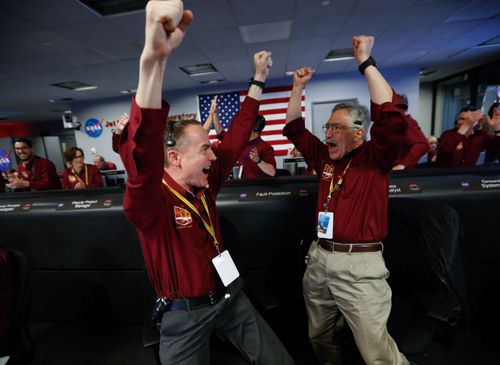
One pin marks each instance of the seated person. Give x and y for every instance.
(102, 164)
(415, 144)
(80, 175)
(432, 154)
(257, 159)
(462, 145)
(35, 172)
(494, 114)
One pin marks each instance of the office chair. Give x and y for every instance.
(422, 252)
(17, 343)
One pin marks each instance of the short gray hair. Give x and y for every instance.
(360, 116)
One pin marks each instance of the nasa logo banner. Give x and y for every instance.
(93, 128)
(5, 162)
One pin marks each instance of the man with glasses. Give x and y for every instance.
(346, 276)
(34, 172)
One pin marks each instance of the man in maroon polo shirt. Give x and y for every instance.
(171, 203)
(346, 275)
(462, 145)
(34, 172)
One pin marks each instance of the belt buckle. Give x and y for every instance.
(212, 297)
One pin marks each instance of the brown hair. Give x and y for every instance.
(69, 154)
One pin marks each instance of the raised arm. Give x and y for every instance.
(300, 78)
(166, 23)
(380, 90)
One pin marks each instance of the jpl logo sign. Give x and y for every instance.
(93, 128)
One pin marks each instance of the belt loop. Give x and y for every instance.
(382, 244)
(350, 249)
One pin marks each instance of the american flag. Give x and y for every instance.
(273, 105)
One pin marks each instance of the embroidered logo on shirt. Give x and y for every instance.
(182, 216)
(327, 172)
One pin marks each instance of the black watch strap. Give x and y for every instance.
(256, 83)
(369, 62)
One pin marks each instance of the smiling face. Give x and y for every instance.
(23, 151)
(341, 136)
(77, 161)
(191, 158)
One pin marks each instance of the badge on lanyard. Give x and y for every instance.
(225, 267)
(325, 225)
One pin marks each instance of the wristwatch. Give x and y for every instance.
(256, 83)
(369, 62)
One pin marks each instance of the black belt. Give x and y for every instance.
(193, 303)
(349, 247)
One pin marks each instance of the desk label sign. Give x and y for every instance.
(480, 184)
(396, 189)
(85, 204)
(17, 207)
(272, 194)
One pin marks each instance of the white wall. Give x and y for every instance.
(425, 108)
(320, 88)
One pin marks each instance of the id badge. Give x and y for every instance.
(325, 225)
(225, 267)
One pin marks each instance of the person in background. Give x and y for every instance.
(432, 154)
(493, 114)
(257, 159)
(346, 275)
(170, 199)
(34, 172)
(102, 164)
(80, 175)
(415, 145)
(473, 132)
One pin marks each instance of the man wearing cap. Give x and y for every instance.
(346, 276)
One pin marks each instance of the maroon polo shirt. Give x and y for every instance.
(250, 168)
(449, 155)
(93, 178)
(41, 173)
(360, 207)
(177, 248)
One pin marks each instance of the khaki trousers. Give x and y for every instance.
(352, 286)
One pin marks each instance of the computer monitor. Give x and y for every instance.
(112, 178)
(296, 165)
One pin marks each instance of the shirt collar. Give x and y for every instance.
(182, 190)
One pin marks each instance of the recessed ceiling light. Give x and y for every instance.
(129, 91)
(199, 70)
(212, 81)
(114, 7)
(339, 55)
(325, 2)
(75, 85)
(266, 32)
(426, 72)
(51, 101)
(491, 42)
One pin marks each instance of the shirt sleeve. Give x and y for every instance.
(311, 148)
(65, 180)
(141, 150)
(387, 134)
(267, 154)
(96, 178)
(234, 142)
(42, 178)
(416, 142)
